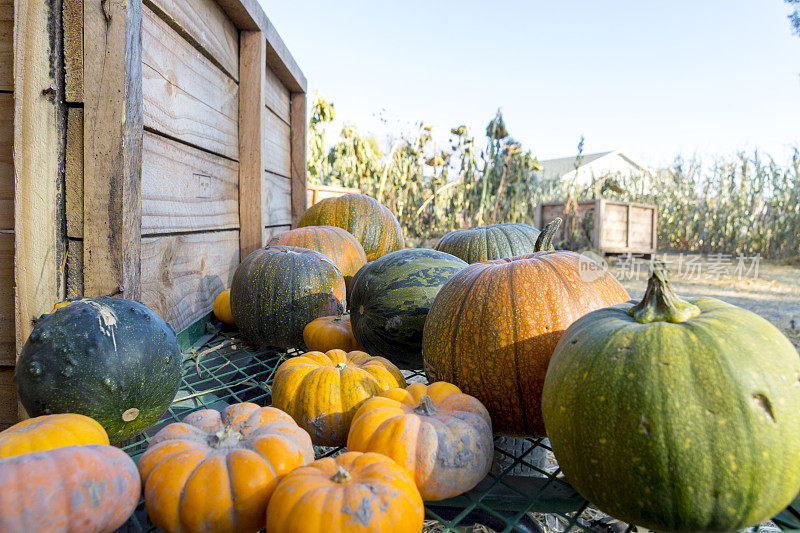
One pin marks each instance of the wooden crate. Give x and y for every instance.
(315, 193)
(145, 148)
(617, 227)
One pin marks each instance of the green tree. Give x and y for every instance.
(794, 17)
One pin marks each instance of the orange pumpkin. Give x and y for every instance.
(322, 391)
(338, 244)
(330, 333)
(216, 471)
(445, 438)
(351, 493)
(90, 488)
(50, 431)
(222, 307)
(493, 328)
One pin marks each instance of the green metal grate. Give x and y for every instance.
(521, 494)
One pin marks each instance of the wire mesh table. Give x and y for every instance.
(524, 492)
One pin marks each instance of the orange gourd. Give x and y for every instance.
(222, 307)
(445, 441)
(351, 493)
(50, 431)
(215, 472)
(92, 488)
(322, 391)
(330, 333)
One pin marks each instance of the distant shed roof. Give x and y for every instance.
(553, 168)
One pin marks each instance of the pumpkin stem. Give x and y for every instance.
(425, 407)
(341, 476)
(341, 366)
(226, 436)
(660, 303)
(544, 242)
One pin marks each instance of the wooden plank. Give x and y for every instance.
(298, 149)
(277, 96)
(113, 147)
(628, 225)
(277, 145)
(186, 189)
(597, 235)
(277, 203)
(73, 173)
(271, 231)
(72, 16)
(252, 113)
(74, 269)
(6, 161)
(8, 399)
(205, 26)
(182, 274)
(8, 351)
(6, 45)
(317, 193)
(186, 96)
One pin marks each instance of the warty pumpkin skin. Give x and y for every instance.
(494, 325)
(676, 415)
(350, 493)
(276, 291)
(92, 488)
(443, 438)
(371, 222)
(330, 333)
(50, 431)
(336, 243)
(322, 391)
(216, 472)
(495, 241)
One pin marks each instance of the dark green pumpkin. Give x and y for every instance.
(391, 297)
(676, 415)
(276, 291)
(111, 359)
(496, 241)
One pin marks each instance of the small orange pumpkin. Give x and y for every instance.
(222, 307)
(330, 333)
(446, 442)
(216, 471)
(322, 391)
(353, 493)
(50, 431)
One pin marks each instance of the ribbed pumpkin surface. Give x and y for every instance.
(371, 222)
(495, 241)
(493, 327)
(390, 299)
(276, 291)
(47, 432)
(339, 245)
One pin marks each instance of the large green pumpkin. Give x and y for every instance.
(496, 241)
(675, 415)
(276, 291)
(113, 360)
(390, 299)
(371, 222)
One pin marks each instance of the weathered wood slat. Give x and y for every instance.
(277, 200)
(271, 231)
(186, 96)
(72, 15)
(186, 189)
(8, 399)
(6, 161)
(8, 349)
(6, 45)
(277, 96)
(182, 274)
(73, 173)
(277, 145)
(205, 26)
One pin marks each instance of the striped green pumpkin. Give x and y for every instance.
(496, 241)
(390, 299)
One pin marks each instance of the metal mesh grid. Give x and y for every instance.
(522, 493)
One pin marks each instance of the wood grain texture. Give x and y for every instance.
(252, 112)
(277, 145)
(182, 274)
(6, 45)
(186, 96)
(186, 189)
(74, 269)
(205, 26)
(73, 173)
(270, 231)
(112, 147)
(6, 161)
(8, 351)
(72, 17)
(277, 96)
(8, 399)
(298, 156)
(277, 204)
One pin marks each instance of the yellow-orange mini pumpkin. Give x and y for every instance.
(222, 307)
(330, 333)
(50, 431)
(443, 438)
(351, 493)
(215, 472)
(322, 391)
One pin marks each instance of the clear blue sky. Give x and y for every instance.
(650, 78)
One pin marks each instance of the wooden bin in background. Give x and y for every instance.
(316, 193)
(145, 148)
